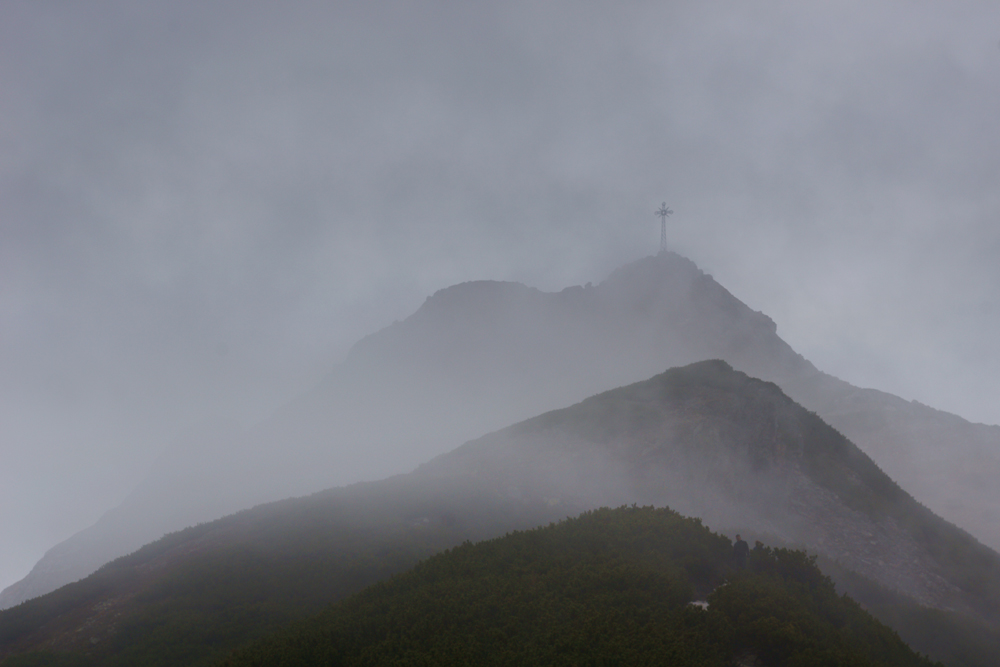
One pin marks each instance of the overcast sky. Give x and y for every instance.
(203, 204)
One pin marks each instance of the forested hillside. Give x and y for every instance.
(611, 587)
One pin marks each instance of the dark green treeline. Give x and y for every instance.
(611, 587)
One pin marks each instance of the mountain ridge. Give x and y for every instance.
(480, 355)
(727, 447)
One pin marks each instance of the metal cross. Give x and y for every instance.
(663, 213)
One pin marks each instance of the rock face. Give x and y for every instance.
(947, 463)
(480, 355)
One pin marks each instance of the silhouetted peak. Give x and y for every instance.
(657, 267)
(476, 295)
(671, 279)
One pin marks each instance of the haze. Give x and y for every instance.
(203, 205)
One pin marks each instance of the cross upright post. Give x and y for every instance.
(663, 213)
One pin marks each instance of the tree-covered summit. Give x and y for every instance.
(610, 587)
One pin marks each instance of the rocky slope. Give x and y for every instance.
(714, 443)
(948, 463)
(480, 355)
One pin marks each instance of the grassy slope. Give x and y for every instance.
(264, 568)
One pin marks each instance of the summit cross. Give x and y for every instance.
(663, 213)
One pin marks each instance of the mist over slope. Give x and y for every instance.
(705, 438)
(478, 356)
(180, 493)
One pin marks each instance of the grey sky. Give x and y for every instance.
(203, 204)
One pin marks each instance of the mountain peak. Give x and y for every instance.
(478, 356)
(674, 278)
(473, 358)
